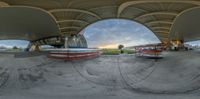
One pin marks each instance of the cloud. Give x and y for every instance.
(118, 31)
(11, 43)
(194, 43)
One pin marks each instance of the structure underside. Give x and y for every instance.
(72, 16)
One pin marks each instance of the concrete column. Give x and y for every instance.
(66, 42)
(177, 44)
(33, 46)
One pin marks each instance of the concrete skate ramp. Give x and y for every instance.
(110, 77)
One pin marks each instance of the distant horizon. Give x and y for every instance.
(9, 47)
(18, 43)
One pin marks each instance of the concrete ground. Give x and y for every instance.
(176, 76)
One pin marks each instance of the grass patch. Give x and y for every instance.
(117, 51)
(129, 51)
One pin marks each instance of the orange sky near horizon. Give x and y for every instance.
(109, 46)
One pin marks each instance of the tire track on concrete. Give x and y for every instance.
(128, 85)
(111, 81)
(189, 89)
(13, 65)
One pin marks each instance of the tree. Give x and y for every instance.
(15, 47)
(120, 47)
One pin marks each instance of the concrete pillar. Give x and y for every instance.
(177, 44)
(75, 41)
(33, 46)
(66, 42)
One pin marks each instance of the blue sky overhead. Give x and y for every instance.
(112, 32)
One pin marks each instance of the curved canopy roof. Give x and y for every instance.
(26, 23)
(186, 25)
(74, 15)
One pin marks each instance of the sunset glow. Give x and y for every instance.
(110, 46)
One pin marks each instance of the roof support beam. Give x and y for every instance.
(159, 28)
(79, 21)
(69, 32)
(161, 22)
(157, 13)
(162, 36)
(75, 10)
(3, 4)
(162, 33)
(165, 32)
(165, 23)
(123, 6)
(70, 28)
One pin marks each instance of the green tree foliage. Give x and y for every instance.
(120, 47)
(15, 47)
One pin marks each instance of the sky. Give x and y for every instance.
(113, 32)
(194, 43)
(11, 43)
